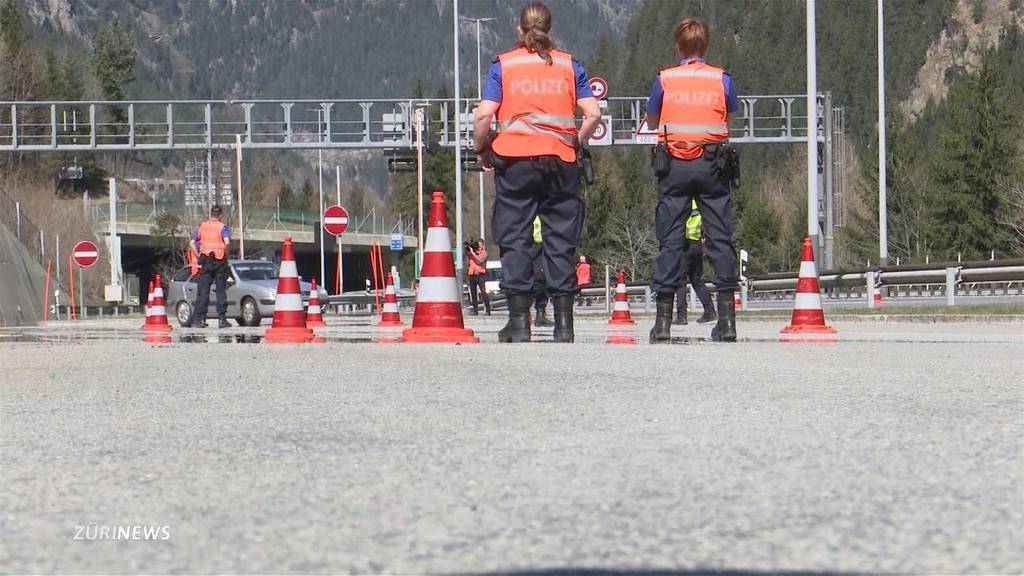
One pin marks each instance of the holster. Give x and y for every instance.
(661, 160)
(586, 162)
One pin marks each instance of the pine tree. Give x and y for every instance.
(113, 63)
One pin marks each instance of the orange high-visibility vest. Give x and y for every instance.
(536, 116)
(693, 109)
(474, 267)
(210, 240)
(583, 273)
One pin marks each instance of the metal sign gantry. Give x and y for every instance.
(383, 124)
(319, 124)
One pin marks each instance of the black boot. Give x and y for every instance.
(222, 322)
(541, 320)
(518, 327)
(680, 318)
(662, 331)
(709, 315)
(198, 321)
(725, 330)
(563, 318)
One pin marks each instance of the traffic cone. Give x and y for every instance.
(438, 313)
(314, 319)
(877, 294)
(389, 314)
(156, 313)
(620, 313)
(289, 323)
(808, 321)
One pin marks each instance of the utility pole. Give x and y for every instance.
(458, 149)
(479, 95)
(812, 132)
(883, 224)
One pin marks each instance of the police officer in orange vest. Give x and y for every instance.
(691, 104)
(210, 244)
(476, 258)
(533, 91)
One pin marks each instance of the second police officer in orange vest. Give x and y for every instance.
(534, 90)
(210, 244)
(691, 104)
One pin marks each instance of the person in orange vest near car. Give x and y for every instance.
(582, 276)
(533, 91)
(210, 245)
(476, 271)
(691, 104)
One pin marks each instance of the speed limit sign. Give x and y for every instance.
(599, 87)
(602, 134)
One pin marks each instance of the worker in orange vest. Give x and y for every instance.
(210, 245)
(691, 104)
(533, 91)
(476, 271)
(582, 275)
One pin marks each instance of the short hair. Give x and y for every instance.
(216, 211)
(692, 37)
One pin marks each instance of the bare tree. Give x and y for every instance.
(1012, 216)
(632, 242)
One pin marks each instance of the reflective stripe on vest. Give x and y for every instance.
(693, 223)
(693, 109)
(210, 239)
(537, 238)
(538, 100)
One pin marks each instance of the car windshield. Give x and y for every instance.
(256, 271)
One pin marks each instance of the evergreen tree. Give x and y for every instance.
(971, 156)
(113, 63)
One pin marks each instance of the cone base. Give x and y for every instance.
(621, 321)
(157, 338)
(156, 327)
(288, 335)
(457, 335)
(315, 323)
(812, 333)
(390, 323)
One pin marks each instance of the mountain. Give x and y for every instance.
(312, 48)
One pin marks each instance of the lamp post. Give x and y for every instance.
(883, 225)
(479, 95)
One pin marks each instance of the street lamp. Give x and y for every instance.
(479, 95)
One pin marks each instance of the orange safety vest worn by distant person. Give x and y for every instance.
(211, 242)
(693, 110)
(538, 104)
(475, 267)
(583, 273)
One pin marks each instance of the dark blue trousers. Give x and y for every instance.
(527, 187)
(693, 179)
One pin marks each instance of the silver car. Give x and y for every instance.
(252, 291)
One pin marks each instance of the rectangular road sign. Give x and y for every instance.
(396, 241)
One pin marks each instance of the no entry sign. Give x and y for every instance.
(599, 86)
(335, 220)
(85, 254)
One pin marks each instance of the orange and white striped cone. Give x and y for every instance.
(289, 324)
(620, 313)
(149, 303)
(808, 321)
(314, 318)
(156, 313)
(389, 313)
(438, 313)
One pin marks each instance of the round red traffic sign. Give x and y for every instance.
(85, 253)
(335, 219)
(599, 87)
(599, 131)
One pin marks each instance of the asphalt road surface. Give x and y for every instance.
(898, 449)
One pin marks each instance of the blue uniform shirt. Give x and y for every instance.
(731, 101)
(224, 233)
(492, 85)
